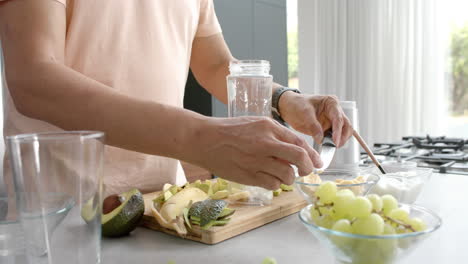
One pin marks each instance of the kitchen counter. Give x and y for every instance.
(289, 242)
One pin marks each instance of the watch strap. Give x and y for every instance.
(276, 97)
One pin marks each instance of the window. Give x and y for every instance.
(458, 69)
(391, 57)
(293, 61)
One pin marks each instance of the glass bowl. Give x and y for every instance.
(396, 166)
(405, 185)
(361, 249)
(307, 187)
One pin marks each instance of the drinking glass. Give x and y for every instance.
(58, 179)
(11, 234)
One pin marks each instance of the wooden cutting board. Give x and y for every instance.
(244, 219)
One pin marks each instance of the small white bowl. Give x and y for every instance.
(405, 185)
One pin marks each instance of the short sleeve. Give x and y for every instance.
(208, 24)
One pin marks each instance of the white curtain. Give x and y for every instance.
(387, 55)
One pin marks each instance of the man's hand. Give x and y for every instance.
(254, 151)
(314, 114)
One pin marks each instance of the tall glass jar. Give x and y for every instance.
(249, 88)
(249, 94)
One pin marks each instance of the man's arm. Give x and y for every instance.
(42, 87)
(210, 64)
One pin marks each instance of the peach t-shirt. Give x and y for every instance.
(140, 48)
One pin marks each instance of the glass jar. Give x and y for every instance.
(249, 88)
(249, 94)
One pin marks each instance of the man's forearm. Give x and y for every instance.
(63, 97)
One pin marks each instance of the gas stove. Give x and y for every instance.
(443, 154)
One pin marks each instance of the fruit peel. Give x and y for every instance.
(277, 192)
(220, 195)
(286, 188)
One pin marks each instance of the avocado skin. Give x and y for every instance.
(195, 209)
(211, 211)
(207, 210)
(226, 213)
(128, 218)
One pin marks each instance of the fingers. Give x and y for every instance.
(337, 128)
(313, 126)
(267, 181)
(268, 173)
(347, 132)
(297, 151)
(279, 169)
(341, 127)
(336, 116)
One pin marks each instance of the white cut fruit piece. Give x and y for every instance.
(239, 196)
(235, 190)
(167, 195)
(220, 195)
(166, 187)
(312, 179)
(174, 206)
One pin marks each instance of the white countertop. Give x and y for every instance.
(289, 242)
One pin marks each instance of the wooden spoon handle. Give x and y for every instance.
(368, 150)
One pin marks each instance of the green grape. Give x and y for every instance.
(346, 192)
(343, 225)
(402, 230)
(388, 249)
(329, 211)
(388, 229)
(269, 261)
(376, 201)
(342, 203)
(326, 210)
(391, 223)
(361, 207)
(326, 192)
(389, 203)
(372, 225)
(325, 221)
(366, 251)
(314, 214)
(417, 224)
(399, 214)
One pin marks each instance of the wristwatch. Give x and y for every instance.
(275, 102)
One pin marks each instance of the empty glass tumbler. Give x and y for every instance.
(58, 184)
(249, 94)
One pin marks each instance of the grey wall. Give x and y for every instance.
(2, 145)
(255, 29)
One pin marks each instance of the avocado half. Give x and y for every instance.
(121, 220)
(125, 218)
